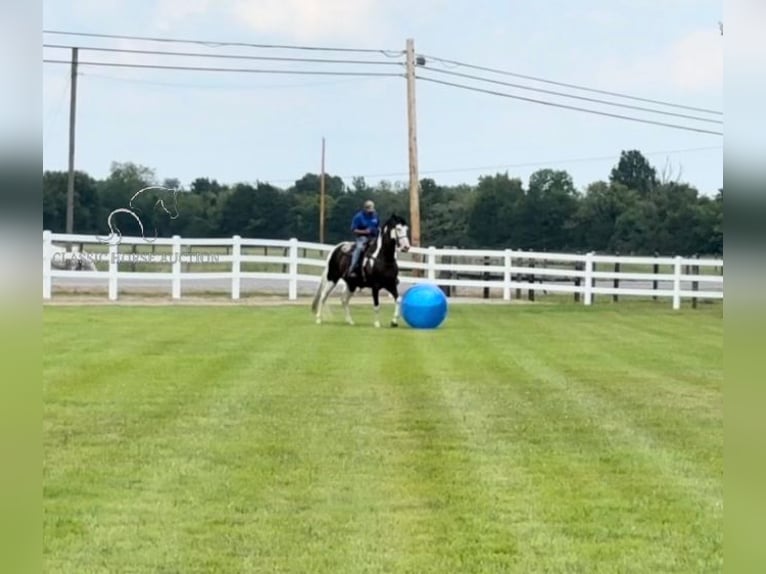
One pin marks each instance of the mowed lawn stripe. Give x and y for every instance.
(140, 442)
(586, 427)
(439, 499)
(666, 478)
(485, 446)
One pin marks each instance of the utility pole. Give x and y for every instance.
(413, 146)
(321, 199)
(72, 110)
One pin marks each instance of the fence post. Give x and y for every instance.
(656, 270)
(114, 269)
(588, 295)
(695, 284)
(47, 254)
(531, 292)
(292, 293)
(236, 265)
(616, 282)
(485, 277)
(579, 266)
(176, 258)
(594, 267)
(448, 274)
(677, 283)
(431, 263)
(508, 262)
(133, 259)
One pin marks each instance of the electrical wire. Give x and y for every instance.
(605, 157)
(455, 63)
(216, 44)
(568, 107)
(218, 86)
(225, 56)
(237, 70)
(582, 98)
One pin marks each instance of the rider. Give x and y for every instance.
(364, 226)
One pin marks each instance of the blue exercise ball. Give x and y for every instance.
(424, 306)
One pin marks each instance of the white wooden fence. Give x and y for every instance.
(503, 271)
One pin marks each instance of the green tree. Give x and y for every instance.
(596, 215)
(86, 202)
(634, 172)
(261, 211)
(548, 211)
(495, 211)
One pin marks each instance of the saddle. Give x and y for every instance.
(347, 248)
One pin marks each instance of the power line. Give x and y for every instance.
(216, 44)
(236, 70)
(583, 98)
(565, 106)
(456, 63)
(216, 87)
(226, 56)
(610, 157)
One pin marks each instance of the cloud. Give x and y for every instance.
(692, 64)
(308, 19)
(311, 21)
(171, 12)
(696, 61)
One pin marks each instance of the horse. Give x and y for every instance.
(379, 270)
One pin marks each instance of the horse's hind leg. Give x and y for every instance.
(326, 289)
(376, 304)
(345, 298)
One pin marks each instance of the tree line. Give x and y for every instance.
(633, 211)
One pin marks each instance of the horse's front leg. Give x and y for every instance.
(345, 298)
(376, 304)
(398, 301)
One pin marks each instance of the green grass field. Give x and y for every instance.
(521, 438)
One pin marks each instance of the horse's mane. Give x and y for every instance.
(394, 220)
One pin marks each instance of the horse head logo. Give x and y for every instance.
(115, 235)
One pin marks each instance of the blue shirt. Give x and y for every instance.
(364, 220)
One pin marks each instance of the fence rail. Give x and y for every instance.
(233, 262)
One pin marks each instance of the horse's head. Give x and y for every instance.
(396, 227)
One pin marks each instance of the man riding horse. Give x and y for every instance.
(377, 243)
(364, 226)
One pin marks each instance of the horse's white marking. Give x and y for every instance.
(345, 298)
(323, 291)
(378, 246)
(397, 306)
(327, 288)
(401, 237)
(377, 315)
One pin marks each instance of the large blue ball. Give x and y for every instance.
(424, 306)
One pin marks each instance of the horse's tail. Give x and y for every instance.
(322, 283)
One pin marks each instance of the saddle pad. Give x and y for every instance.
(347, 247)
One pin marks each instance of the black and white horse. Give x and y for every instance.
(380, 270)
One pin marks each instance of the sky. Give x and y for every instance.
(263, 127)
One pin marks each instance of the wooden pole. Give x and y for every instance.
(72, 110)
(413, 147)
(321, 199)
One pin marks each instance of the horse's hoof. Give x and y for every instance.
(377, 324)
(394, 324)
